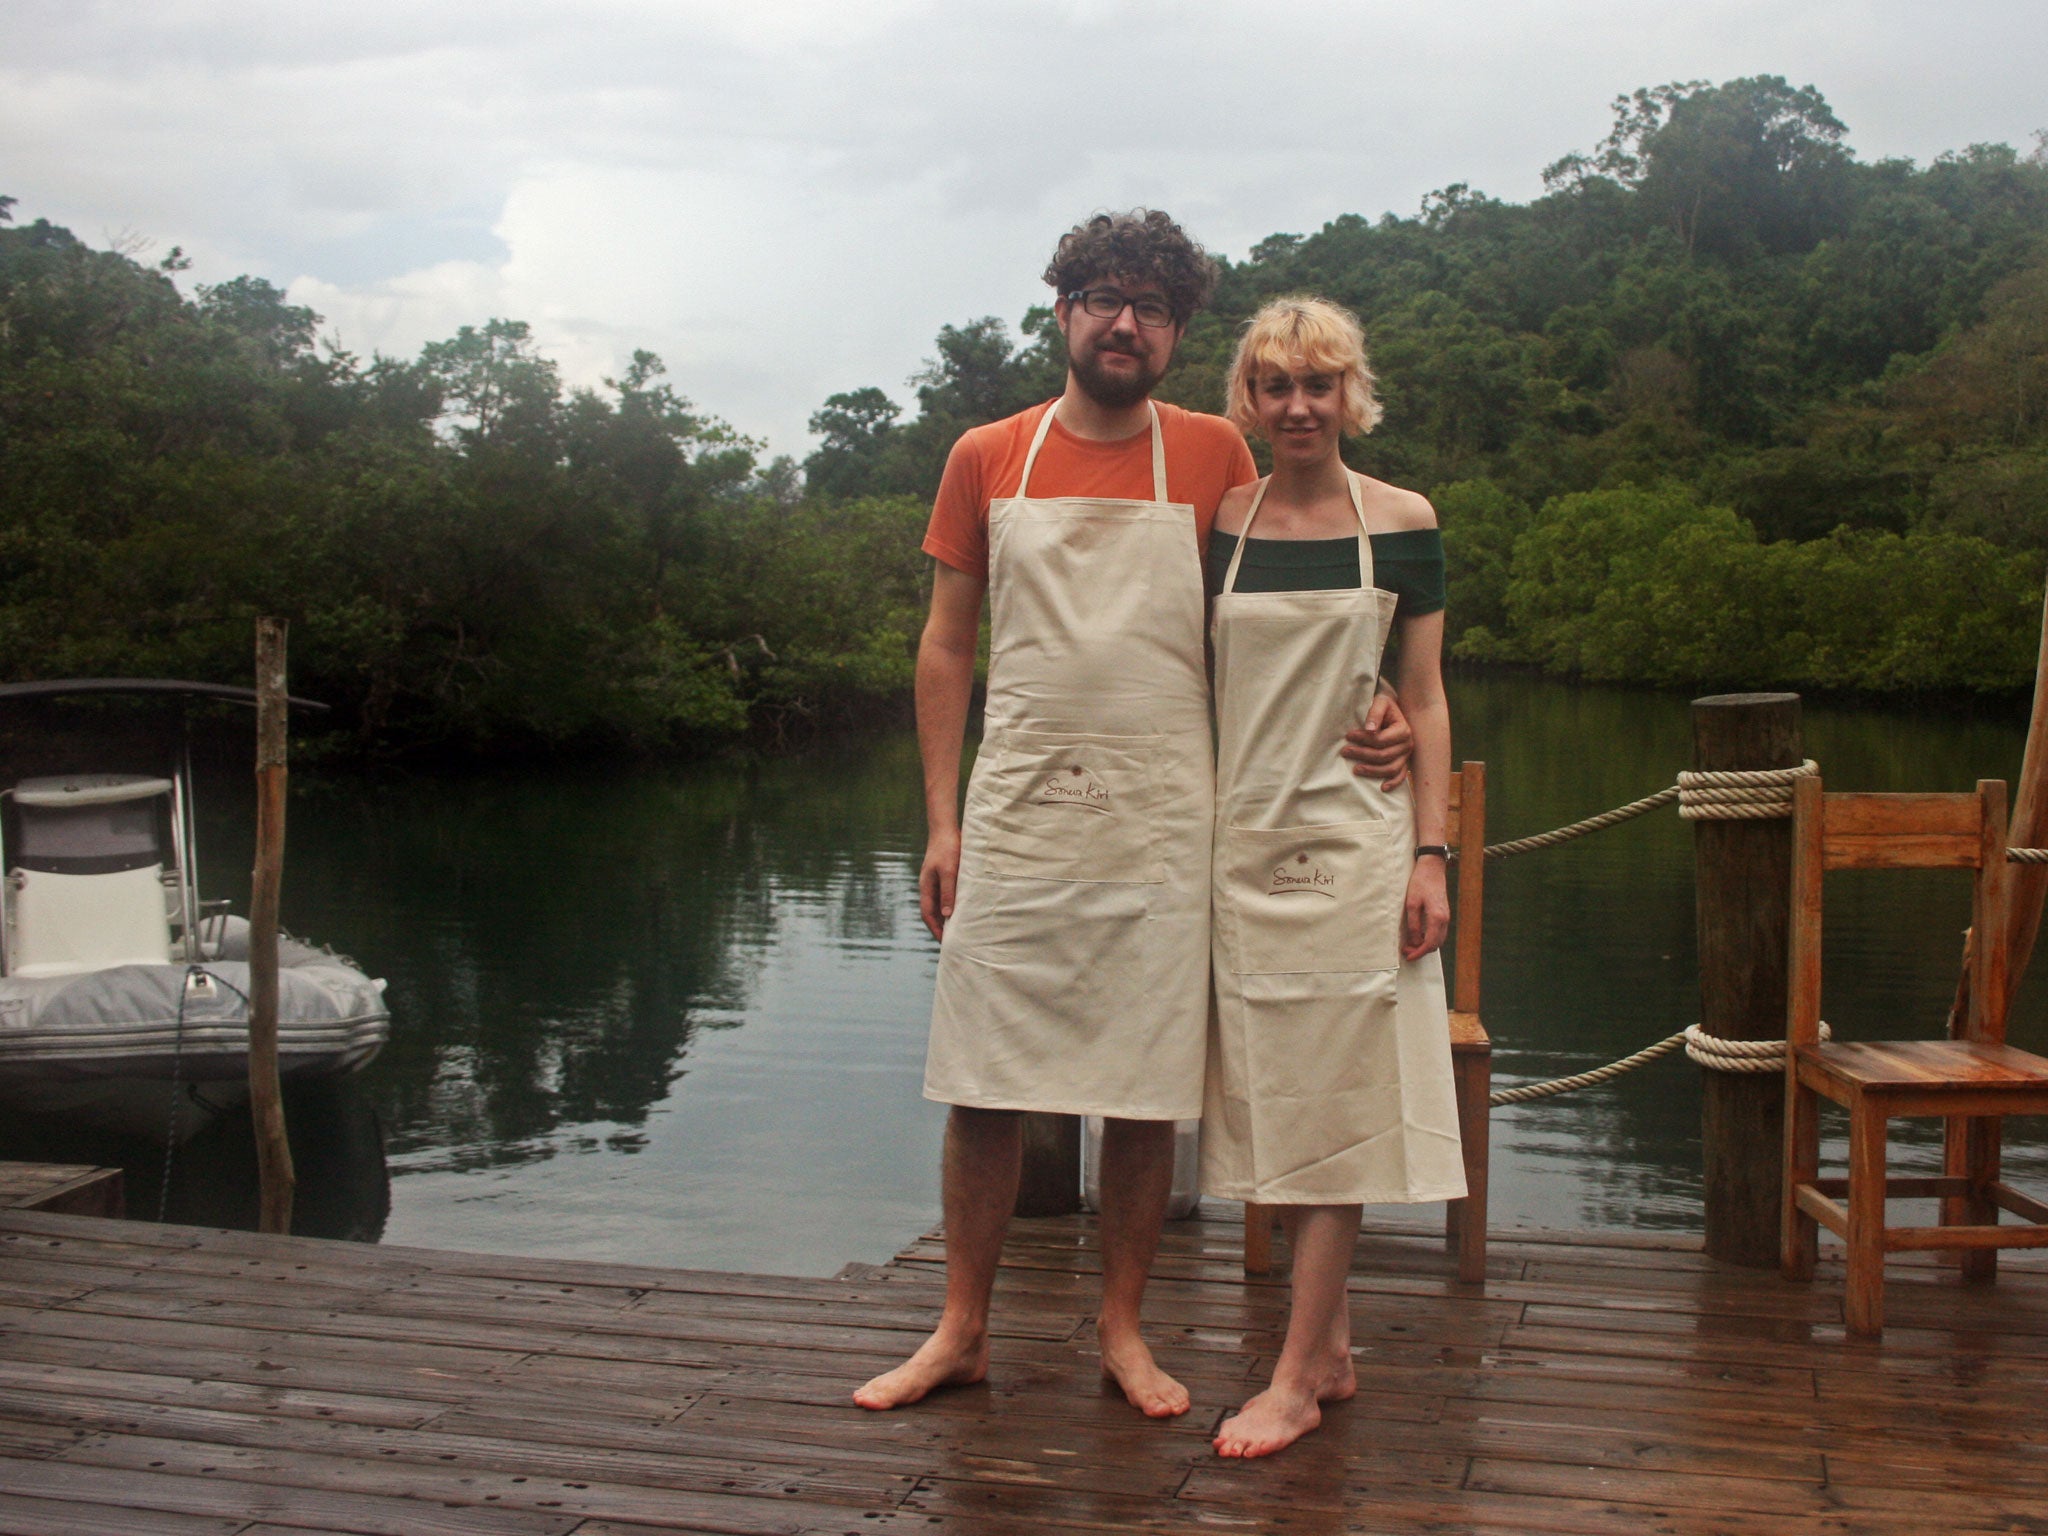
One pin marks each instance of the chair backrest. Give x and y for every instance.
(1901, 831)
(1467, 834)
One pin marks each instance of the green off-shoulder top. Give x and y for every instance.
(1408, 563)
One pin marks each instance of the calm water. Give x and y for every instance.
(677, 1016)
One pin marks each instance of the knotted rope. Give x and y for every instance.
(1720, 1055)
(1755, 794)
(1709, 1051)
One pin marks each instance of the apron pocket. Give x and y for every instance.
(1321, 898)
(1067, 806)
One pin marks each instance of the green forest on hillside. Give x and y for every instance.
(1724, 407)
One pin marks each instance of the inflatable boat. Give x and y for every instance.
(123, 1002)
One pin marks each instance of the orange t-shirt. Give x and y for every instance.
(1205, 456)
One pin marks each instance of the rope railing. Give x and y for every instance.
(1613, 1069)
(1758, 794)
(1600, 823)
(1710, 1051)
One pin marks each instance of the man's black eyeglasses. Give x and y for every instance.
(1107, 304)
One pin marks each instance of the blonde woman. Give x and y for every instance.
(1329, 1070)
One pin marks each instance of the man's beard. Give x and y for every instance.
(1113, 391)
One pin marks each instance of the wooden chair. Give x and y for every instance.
(1970, 1079)
(1471, 1050)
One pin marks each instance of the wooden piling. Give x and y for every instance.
(1051, 1185)
(266, 1101)
(2028, 892)
(1744, 924)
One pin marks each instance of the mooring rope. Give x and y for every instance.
(1710, 1051)
(2027, 855)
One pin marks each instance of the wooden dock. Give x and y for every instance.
(77, 1189)
(158, 1380)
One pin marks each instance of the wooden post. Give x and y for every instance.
(1258, 1238)
(266, 1101)
(1051, 1185)
(1744, 872)
(2029, 829)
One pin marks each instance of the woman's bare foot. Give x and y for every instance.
(1270, 1422)
(940, 1361)
(1282, 1414)
(1129, 1363)
(1338, 1382)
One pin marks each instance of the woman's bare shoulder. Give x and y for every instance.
(1389, 509)
(1235, 506)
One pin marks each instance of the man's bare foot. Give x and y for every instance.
(939, 1362)
(1150, 1390)
(1281, 1415)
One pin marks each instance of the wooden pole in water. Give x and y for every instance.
(266, 1099)
(2029, 829)
(1744, 872)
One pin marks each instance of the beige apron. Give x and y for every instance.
(1329, 1076)
(1073, 975)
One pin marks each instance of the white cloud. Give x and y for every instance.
(789, 197)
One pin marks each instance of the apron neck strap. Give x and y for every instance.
(1158, 456)
(1045, 426)
(1365, 572)
(1244, 537)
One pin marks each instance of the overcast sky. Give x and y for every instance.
(787, 198)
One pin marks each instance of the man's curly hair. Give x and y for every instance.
(1141, 243)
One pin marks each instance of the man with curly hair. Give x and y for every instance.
(1071, 899)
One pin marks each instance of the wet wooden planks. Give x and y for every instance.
(165, 1379)
(78, 1189)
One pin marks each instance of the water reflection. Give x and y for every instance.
(573, 956)
(677, 1015)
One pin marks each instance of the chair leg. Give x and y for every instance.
(1258, 1239)
(1799, 1233)
(1863, 1306)
(1466, 1218)
(1972, 1145)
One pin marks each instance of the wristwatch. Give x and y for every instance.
(1436, 848)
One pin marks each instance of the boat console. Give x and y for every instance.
(86, 884)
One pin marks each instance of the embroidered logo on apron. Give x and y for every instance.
(1304, 877)
(1074, 785)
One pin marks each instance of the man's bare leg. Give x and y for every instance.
(1315, 1362)
(984, 1158)
(1137, 1181)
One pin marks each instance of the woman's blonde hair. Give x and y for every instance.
(1303, 334)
